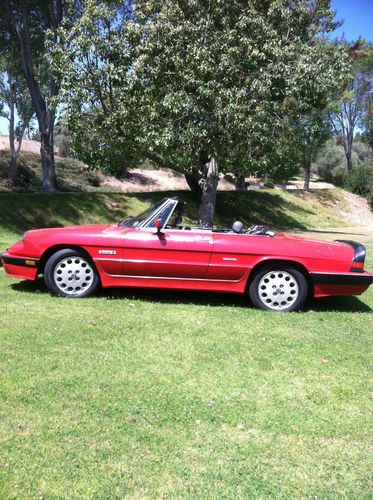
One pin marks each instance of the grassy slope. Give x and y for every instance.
(151, 394)
(279, 209)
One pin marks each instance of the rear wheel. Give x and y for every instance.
(70, 273)
(277, 288)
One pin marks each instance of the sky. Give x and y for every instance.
(358, 22)
(357, 16)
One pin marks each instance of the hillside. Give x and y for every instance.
(295, 210)
(73, 175)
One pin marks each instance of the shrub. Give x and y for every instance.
(370, 198)
(330, 164)
(363, 152)
(338, 175)
(360, 181)
(72, 174)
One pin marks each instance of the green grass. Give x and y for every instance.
(162, 394)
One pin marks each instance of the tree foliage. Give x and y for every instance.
(203, 87)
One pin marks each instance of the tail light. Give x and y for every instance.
(357, 265)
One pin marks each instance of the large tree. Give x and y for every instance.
(27, 25)
(201, 86)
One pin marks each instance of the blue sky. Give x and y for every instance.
(357, 16)
(358, 21)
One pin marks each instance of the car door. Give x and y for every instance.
(233, 254)
(172, 253)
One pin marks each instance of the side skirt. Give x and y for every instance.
(172, 283)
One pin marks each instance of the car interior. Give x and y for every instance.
(176, 221)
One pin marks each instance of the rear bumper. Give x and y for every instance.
(326, 284)
(20, 267)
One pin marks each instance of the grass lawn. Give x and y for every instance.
(164, 394)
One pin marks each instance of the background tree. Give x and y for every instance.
(96, 61)
(314, 130)
(348, 112)
(26, 24)
(368, 122)
(199, 86)
(16, 107)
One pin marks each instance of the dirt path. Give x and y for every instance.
(360, 213)
(146, 180)
(31, 146)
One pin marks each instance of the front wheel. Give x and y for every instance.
(70, 273)
(276, 288)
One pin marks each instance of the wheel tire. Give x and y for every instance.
(279, 289)
(70, 273)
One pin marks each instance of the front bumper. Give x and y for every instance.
(20, 267)
(352, 283)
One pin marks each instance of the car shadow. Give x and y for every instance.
(337, 304)
(325, 304)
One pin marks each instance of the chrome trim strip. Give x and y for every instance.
(141, 261)
(107, 260)
(170, 278)
(233, 259)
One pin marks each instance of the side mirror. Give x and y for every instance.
(158, 225)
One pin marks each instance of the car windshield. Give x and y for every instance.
(138, 219)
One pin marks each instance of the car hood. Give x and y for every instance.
(88, 229)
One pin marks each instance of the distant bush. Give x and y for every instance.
(331, 166)
(62, 140)
(72, 174)
(364, 152)
(360, 180)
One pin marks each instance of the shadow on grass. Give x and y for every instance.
(338, 304)
(327, 304)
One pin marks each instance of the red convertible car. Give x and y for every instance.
(155, 250)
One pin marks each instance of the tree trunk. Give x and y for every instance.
(348, 142)
(307, 175)
(208, 198)
(47, 162)
(12, 169)
(307, 169)
(349, 157)
(240, 183)
(194, 181)
(44, 115)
